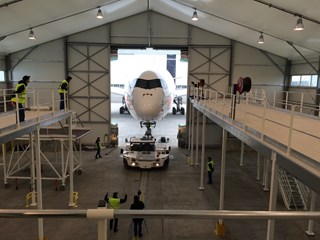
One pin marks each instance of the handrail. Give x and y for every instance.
(289, 127)
(284, 186)
(103, 213)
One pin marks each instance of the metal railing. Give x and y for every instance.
(103, 214)
(205, 96)
(36, 101)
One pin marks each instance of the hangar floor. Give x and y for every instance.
(172, 188)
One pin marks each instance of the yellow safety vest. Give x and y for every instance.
(22, 95)
(208, 169)
(114, 203)
(60, 90)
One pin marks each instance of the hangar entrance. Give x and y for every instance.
(125, 66)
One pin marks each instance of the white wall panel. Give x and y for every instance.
(131, 30)
(203, 37)
(94, 35)
(89, 92)
(44, 63)
(167, 31)
(265, 71)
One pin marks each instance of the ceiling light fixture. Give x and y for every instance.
(31, 35)
(195, 15)
(99, 14)
(261, 39)
(299, 25)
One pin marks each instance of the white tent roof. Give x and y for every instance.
(241, 20)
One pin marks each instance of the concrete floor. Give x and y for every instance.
(172, 188)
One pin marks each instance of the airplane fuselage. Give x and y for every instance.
(149, 96)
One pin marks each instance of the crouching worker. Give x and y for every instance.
(114, 203)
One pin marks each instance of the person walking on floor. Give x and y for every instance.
(63, 90)
(137, 222)
(98, 146)
(210, 169)
(114, 203)
(20, 90)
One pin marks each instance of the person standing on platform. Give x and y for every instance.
(137, 222)
(20, 90)
(210, 169)
(98, 146)
(63, 90)
(114, 203)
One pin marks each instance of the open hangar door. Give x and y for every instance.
(126, 65)
(89, 91)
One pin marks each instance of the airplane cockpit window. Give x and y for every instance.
(164, 84)
(148, 84)
(132, 83)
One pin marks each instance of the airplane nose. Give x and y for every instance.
(148, 107)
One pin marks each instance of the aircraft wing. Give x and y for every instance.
(180, 92)
(117, 90)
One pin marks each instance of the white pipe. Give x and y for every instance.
(63, 175)
(310, 232)
(4, 155)
(223, 171)
(71, 199)
(290, 129)
(242, 153)
(258, 167)
(100, 213)
(266, 174)
(178, 214)
(52, 102)
(191, 162)
(190, 125)
(197, 138)
(39, 180)
(263, 121)
(4, 101)
(273, 194)
(32, 169)
(301, 102)
(204, 120)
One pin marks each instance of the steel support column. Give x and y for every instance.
(197, 138)
(32, 172)
(220, 224)
(310, 232)
(71, 198)
(39, 182)
(242, 153)
(273, 194)
(258, 167)
(204, 121)
(191, 160)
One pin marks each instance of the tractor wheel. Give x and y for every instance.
(174, 111)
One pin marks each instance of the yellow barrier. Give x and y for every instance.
(29, 195)
(75, 199)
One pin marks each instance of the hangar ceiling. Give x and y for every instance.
(242, 21)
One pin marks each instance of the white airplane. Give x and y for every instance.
(149, 96)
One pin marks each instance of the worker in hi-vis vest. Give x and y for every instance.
(63, 90)
(98, 146)
(20, 90)
(114, 203)
(210, 169)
